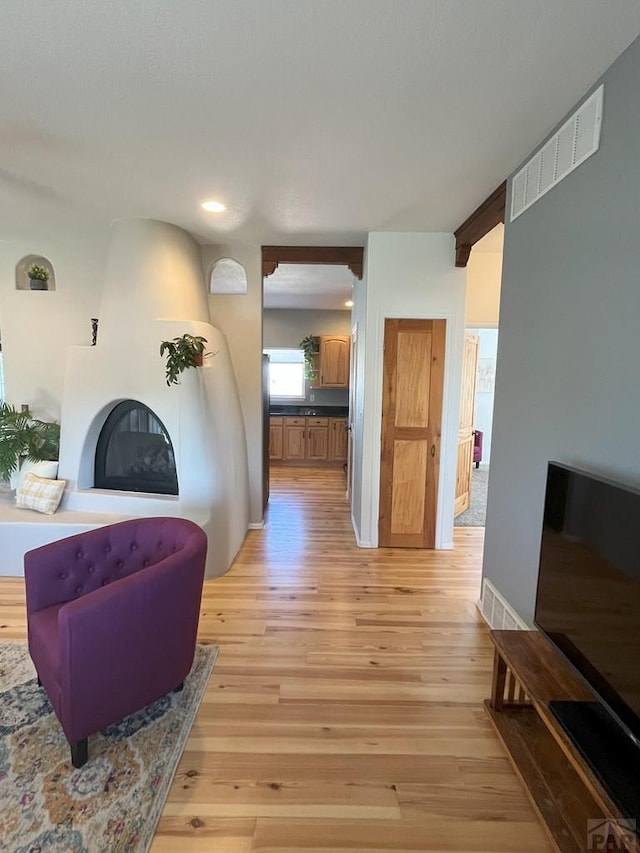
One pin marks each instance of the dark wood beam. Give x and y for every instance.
(349, 256)
(482, 220)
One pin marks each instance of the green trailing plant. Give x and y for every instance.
(311, 350)
(24, 437)
(182, 352)
(38, 273)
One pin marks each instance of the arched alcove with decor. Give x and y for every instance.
(228, 277)
(42, 266)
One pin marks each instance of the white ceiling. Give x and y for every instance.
(308, 286)
(315, 121)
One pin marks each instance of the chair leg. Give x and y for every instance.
(79, 753)
(477, 464)
(179, 688)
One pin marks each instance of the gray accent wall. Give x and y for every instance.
(286, 327)
(568, 370)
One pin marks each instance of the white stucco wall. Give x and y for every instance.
(38, 326)
(240, 318)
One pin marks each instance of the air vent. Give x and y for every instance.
(577, 139)
(497, 612)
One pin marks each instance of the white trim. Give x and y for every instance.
(255, 525)
(360, 542)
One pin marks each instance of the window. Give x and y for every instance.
(286, 374)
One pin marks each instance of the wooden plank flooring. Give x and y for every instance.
(344, 711)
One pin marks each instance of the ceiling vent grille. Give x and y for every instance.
(577, 139)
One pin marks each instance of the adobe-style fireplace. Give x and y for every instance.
(134, 452)
(131, 446)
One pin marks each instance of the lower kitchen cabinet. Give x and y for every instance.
(294, 445)
(308, 439)
(317, 439)
(338, 439)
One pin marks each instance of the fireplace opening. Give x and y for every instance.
(134, 452)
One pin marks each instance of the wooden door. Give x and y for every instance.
(334, 361)
(317, 439)
(275, 438)
(411, 428)
(294, 440)
(465, 430)
(338, 440)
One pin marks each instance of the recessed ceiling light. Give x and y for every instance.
(349, 303)
(214, 206)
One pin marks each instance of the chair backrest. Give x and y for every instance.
(87, 561)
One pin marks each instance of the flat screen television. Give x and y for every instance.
(588, 605)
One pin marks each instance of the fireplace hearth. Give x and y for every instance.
(134, 452)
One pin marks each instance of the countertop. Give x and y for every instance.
(310, 411)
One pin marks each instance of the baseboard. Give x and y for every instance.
(359, 542)
(256, 525)
(497, 612)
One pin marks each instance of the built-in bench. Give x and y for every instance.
(24, 529)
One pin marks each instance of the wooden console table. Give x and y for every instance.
(527, 674)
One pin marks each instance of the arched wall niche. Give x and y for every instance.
(22, 279)
(228, 277)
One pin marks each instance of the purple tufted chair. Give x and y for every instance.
(113, 616)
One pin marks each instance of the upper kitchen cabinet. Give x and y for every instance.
(333, 371)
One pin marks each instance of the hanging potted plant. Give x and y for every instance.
(38, 277)
(182, 352)
(310, 346)
(25, 437)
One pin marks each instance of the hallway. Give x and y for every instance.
(344, 711)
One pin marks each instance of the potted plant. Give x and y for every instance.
(25, 437)
(182, 352)
(311, 348)
(38, 277)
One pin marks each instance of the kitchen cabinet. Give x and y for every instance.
(275, 438)
(317, 439)
(294, 444)
(338, 440)
(331, 365)
(307, 439)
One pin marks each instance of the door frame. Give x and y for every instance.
(351, 416)
(372, 441)
(271, 256)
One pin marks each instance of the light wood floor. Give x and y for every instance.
(344, 711)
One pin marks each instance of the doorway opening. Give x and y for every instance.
(484, 273)
(307, 333)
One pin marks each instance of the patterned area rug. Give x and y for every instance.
(114, 802)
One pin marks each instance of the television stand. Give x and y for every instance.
(576, 809)
(611, 754)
